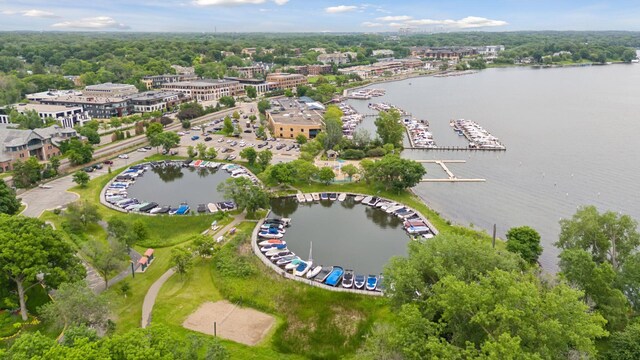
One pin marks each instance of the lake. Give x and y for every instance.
(343, 233)
(571, 136)
(172, 185)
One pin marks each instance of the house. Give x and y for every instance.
(206, 89)
(337, 58)
(286, 80)
(67, 116)
(382, 52)
(248, 51)
(17, 144)
(289, 118)
(109, 90)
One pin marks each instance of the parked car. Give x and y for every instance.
(221, 140)
(248, 131)
(208, 138)
(195, 137)
(88, 169)
(180, 133)
(280, 146)
(108, 162)
(147, 148)
(142, 150)
(123, 156)
(97, 166)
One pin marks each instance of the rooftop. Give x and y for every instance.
(292, 112)
(202, 82)
(108, 86)
(50, 94)
(154, 95)
(40, 108)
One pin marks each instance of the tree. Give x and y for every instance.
(625, 345)
(326, 175)
(301, 139)
(389, 128)
(361, 138)
(139, 231)
(227, 126)
(211, 153)
(227, 101)
(26, 173)
(30, 250)
(80, 214)
(250, 154)
(117, 229)
(168, 140)
(332, 127)
(186, 124)
(263, 106)
(235, 115)
(282, 173)
(201, 148)
(191, 152)
(75, 305)
(29, 119)
(9, 203)
(54, 162)
(251, 92)
(181, 260)
(264, 158)
(90, 133)
(350, 170)
(154, 129)
(304, 171)
(525, 242)
(77, 151)
(81, 178)
(394, 173)
(245, 194)
(106, 258)
(204, 246)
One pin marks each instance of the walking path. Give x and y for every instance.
(152, 293)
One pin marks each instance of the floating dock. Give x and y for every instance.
(452, 176)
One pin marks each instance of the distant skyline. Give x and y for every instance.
(317, 16)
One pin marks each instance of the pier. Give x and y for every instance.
(454, 148)
(452, 176)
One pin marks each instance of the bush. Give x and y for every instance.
(376, 152)
(352, 154)
(232, 264)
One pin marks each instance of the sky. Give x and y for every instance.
(317, 16)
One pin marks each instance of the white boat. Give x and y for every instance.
(293, 264)
(342, 197)
(308, 197)
(394, 209)
(358, 198)
(315, 196)
(271, 242)
(313, 272)
(387, 206)
(300, 198)
(267, 235)
(212, 207)
(302, 268)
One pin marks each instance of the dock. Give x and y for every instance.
(453, 180)
(453, 148)
(452, 177)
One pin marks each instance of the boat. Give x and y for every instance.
(308, 198)
(324, 196)
(358, 198)
(286, 259)
(374, 201)
(277, 254)
(313, 272)
(335, 276)
(359, 281)
(347, 279)
(212, 207)
(366, 200)
(202, 208)
(302, 268)
(148, 207)
(342, 197)
(324, 273)
(293, 264)
(271, 242)
(266, 248)
(269, 235)
(315, 197)
(183, 209)
(267, 226)
(159, 210)
(394, 209)
(380, 285)
(372, 282)
(333, 196)
(300, 198)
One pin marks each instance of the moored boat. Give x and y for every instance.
(315, 197)
(212, 207)
(267, 248)
(302, 268)
(358, 198)
(300, 198)
(372, 282)
(183, 209)
(342, 197)
(271, 242)
(380, 285)
(347, 279)
(286, 259)
(270, 235)
(324, 196)
(366, 200)
(276, 254)
(324, 273)
(333, 196)
(293, 264)
(313, 272)
(308, 197)
(335, 276)
(359, 281)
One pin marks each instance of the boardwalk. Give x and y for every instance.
(450, 174)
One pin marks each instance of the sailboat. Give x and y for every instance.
(303, 267)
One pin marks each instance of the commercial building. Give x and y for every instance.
(261, 86)
(155, 81)
(157, 100)
(249, 72)
(337, 58)
(206, 89)
(382, 52)
(289, 118)
(311, 70)
(96, 107)
(67, 116)
(109, 90)
(286, 80)
(453, 53)
(52, 94)
(42, 143)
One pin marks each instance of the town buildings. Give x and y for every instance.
(95, 107)
(249, 72)
(382, 52)
(337, 58)
(52, 94)
(206, 89)
(311, 70)
(109, 90)
(261, 86)
(289, 118)
(453, 53)
(286, 80)
(67, 116)
(156, 81)
(18, 144)
(157, 100)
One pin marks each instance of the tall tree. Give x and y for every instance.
(9, 203)
(264, 158)
(80, 214)
(27, 173)
(106, 257)
(167, 140)
(326, 175)
(524, 241)
(245, 194)
(251, 92)
(181, 260)
(75, 304)
(250, 154)
(30, 250)
(81, 178)
(332, 127)
(389, 128)
(227, 126)
(394, 173)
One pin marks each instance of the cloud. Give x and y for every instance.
(31, 13)
(97, 23)
(235, 2)
(340, 9)
(371, 24)
(395, 18)
(397, 25)
(469, 22)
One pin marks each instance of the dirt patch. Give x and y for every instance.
(242, 325)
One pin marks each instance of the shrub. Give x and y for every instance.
(376, 152)
(352, 154)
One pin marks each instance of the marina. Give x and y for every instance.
(478, 137)
(451, 176)
(365, 94)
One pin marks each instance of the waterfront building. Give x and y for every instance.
(157, 100)
(66, 116)
(337, 58)
(289, 118)
(156, 81)
(311, 70)
(206, 89)
(448, 52)
(16, 144)
(261, 86)
(286, 80)
(109, 90)
(95, 107)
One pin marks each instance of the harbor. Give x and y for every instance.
(451, 177)
(478, 137)
(365, 94)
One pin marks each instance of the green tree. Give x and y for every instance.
(117, 229)
(394, 173)
(250, 154)
(525, 242)
(181, 260)
(227, 126)
(301, 139)
(31, 250)
(251, 92)
(27, 173)
(389, 128)
(81, 178)
(227, 101)
(106, 257)
(191, 152)
(282, 173)
(263, 106)
(350, 170)
(139, 231)
(204, 246)
(326, 175)
(75, 305)
(201, 148)
(80, 214)
(332, 127)
(625, 345)
(264, 158)
(211, 153)
(54, 162)
(30, 119)
(9, 203)
(168, 140)
(236, 115)
(245, 194)
(304, 171)
(77, 151)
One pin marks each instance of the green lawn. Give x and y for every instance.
(314, 79)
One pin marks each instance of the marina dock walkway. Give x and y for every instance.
(452, 176)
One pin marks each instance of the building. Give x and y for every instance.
(382, 52)
(490, 51)
(286, 80)
(337, 58)
(453, 53)
(155, 81)
(184, 70)
(249, 72)
(75, 79)
(149, 101)
(42, 143)
(261, 86)
(319, 50)
(289, 118)
(52, 94)
(311, 70)
(67, 116)
(248, 51)
(96, 107)
(206, 89)
(109, 90)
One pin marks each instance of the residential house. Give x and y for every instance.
(16, 144)
(67, 116)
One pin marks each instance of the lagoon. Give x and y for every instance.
(571, 136)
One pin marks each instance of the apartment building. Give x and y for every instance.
(109, 90)
(42, 143)
(206, 89)
(286, 80)
(66, 116)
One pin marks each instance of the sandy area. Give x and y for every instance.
(242, 325)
